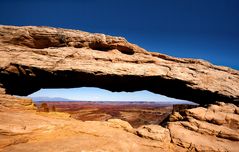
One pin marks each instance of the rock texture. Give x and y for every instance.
(41, 57)
(215, 128)
(13, 102)
(154, 132)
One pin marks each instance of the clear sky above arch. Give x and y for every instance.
(206, 29)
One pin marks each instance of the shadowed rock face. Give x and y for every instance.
(32, 58)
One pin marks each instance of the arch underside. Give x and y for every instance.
(23, 86)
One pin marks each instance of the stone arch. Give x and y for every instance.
(111, 63)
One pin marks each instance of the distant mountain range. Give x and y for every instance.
(59, 99)
(49, 99)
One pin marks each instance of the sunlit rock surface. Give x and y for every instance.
(28, 131)
(154, 132)
(215, 128)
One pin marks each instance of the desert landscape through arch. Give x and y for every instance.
(94, 104)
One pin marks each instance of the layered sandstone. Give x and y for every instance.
(215, 128)
(13, 102)
(42, 57)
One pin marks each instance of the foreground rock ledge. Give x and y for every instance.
(214, 129)
(32, 58)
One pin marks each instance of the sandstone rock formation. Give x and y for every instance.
(32, 58)
(154, 132)
(215, 128)
(12, 102)
(117, 123)
(41, 57)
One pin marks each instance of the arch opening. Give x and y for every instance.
(95, 104)
(98, 94)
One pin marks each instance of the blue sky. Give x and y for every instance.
(206, 29)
